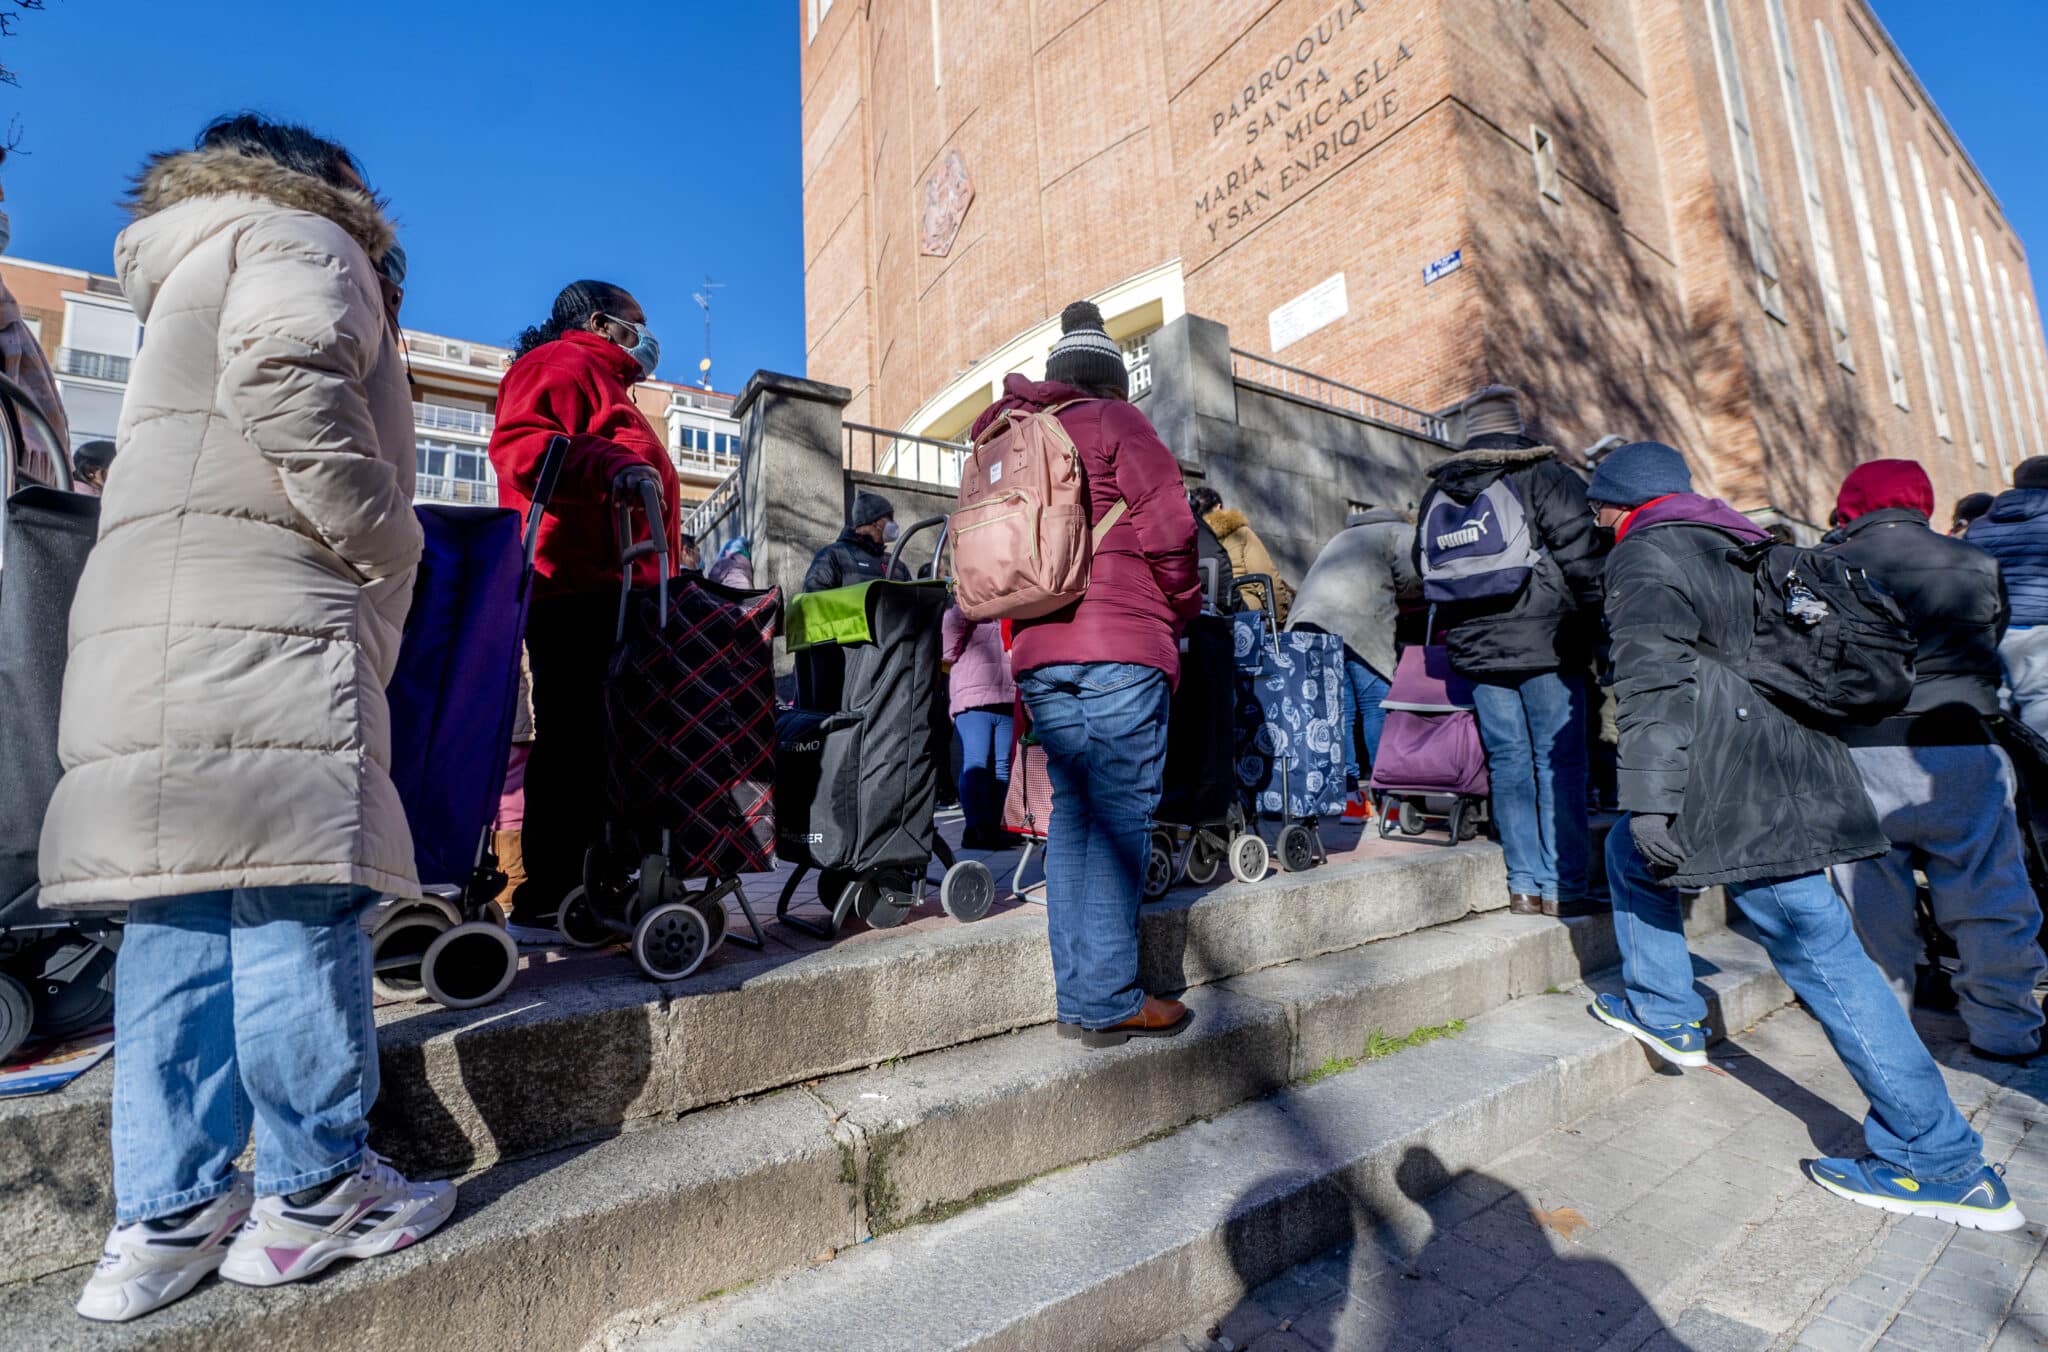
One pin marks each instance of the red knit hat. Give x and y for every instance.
(1878, 484)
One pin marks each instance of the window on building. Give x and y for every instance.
(1756, 213)
(1902, 235)
(2001, 343)
(1866, 223)
(2030, 346)
(1137, 351)
(938, 68)
(1544, 152)
(105, 329)
(93, 411)
(2023, 356)
(1810, 189)
(1973, 311)
(819, 9)
(1944, 290)
(432, 458)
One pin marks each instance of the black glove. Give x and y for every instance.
(1652, 835)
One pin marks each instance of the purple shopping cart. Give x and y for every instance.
(1431, 765)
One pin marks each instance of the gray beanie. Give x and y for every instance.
(1086, 355)
(1629, 476)
(869, 508)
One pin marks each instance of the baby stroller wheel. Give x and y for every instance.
(893, 902)
(671, 941)
(579, 922)
(1249, 858)
(399, 946)
(470, 965)
(1411, 818)
(1205, 859)
(17, 1014)
(1297, 850)
(967, 890)
(1158, 867)
(715, 915)
(71, 977)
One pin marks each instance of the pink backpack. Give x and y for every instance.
(1021, 543)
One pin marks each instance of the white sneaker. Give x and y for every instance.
(372, 1211)
(144, 1268)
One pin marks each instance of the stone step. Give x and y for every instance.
(545, 1250)
(1117, 1253)
(582, 1048)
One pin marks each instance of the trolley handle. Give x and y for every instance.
(1271, 609)
(543, 492)
(626, 487)
(903, 538)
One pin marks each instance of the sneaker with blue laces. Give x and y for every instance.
(1682, 1044)
(1978, 1201)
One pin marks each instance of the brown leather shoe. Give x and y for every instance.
(1576, 906)
(1155, 1018)
(1524, 903)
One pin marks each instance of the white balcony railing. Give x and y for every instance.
(429, 488)
(72, 361)
(441, 418)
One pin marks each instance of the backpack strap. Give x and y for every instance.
(1109, 519)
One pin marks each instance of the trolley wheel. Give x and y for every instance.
(17, 1016)
(671, 941)
(715, 915)
(1464, 820)
(967, 891)
(1297, 850)
(1205, 859)
(1411, 818)
(893, 902)
(71, 978)
(1249, 858)
(470, 965)
(1158, 868)
(399, 947)
(580, 923)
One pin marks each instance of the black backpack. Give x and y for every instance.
(1829, 643)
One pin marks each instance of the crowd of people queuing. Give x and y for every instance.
(225, 736)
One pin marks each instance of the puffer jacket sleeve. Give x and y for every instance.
(300, 333)
(825, 571)
(539, 400)
(1149, 480)
(1655, 629)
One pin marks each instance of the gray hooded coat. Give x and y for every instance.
(1357, 585)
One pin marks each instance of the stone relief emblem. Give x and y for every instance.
(947, 195)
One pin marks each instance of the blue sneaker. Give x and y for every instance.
(1978, 1201)
(1682, 1044)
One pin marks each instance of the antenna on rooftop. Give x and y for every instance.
(703, 298)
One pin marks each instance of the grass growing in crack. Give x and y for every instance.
(1379, 1046)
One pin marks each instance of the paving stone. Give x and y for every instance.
(1909, 1332)
(1858, 1314)
(1705, 1331)
(1963, 1288)
(1911, 1244)
(1280, 1341)
(1652, 1259)
(1464, 1266)
(1574, 1302)
(1507, 1230)
(1891, 1267)
(2021, 1336)
(1824, 1335)
(2033, 1297)
(1493, 1331)
(1979, 1321)
(1417, 1307)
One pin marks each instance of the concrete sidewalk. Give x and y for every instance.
(1678, 1218)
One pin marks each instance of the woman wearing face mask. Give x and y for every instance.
(574, 378)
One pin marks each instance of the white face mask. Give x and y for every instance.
(890, 531)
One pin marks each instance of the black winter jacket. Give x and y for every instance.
(847, 560)
(1955, 600)
(1551, 624)
(1754, 794)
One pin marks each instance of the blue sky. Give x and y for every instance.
(650, 142)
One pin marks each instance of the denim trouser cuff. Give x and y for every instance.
(277, 1187)
(1095, 1026)
(157, 1208)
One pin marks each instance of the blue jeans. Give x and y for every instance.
(1363, 691)
(1913, 1125)
(985, 736)
(235, 1010)
(1103, 726)
(1535, 736)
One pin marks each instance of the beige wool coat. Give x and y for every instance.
(224, 720)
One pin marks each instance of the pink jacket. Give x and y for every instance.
(981, 669)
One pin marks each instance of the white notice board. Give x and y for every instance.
(1322, 304)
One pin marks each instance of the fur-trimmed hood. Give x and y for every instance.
(1225, 522)
(1465, 474)
(184, 197)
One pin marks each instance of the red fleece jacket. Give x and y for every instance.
(577, 386)
(1142, 587)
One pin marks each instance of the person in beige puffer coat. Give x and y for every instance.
(225, 733)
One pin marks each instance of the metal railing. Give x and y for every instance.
(72, 361)
(1292, 380)
(1141, 378)
(469, 491)
(441, 418)
(901, 455)
(713, 509)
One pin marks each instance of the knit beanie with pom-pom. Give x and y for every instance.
(1085, 355)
